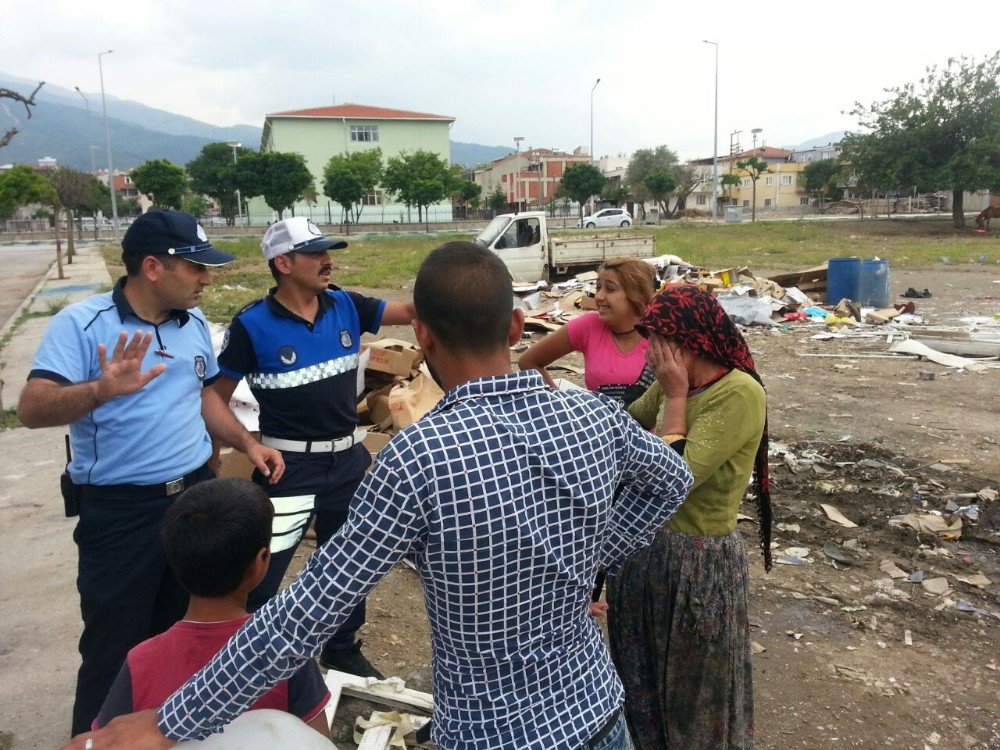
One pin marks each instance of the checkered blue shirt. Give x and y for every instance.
(502, 495)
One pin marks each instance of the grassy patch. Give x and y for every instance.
(790, 244)
(9, 420)
(390, 261)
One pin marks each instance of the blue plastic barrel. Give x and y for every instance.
(873, 283)
(842, 279)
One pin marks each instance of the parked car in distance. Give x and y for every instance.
(607, 217)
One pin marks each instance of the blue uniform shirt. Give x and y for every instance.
(154, 435)
(303, 375)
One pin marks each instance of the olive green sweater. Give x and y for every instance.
(725, 424)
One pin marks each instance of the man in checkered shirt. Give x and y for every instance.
(502, 495)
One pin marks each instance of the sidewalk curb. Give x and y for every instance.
(26, 302)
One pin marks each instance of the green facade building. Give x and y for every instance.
(321, 132)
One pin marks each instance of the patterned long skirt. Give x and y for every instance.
(680, 637)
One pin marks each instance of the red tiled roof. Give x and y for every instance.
(360, 112)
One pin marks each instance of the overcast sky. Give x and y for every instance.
(501, 68)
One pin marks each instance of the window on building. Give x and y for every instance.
(746, 182)
(364, 133)
(767, 201)
(768, 180)
(803, 201)
(746, 204)
(786, 179)
(372, 199)
(701, 200)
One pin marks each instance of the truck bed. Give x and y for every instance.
(578, 250)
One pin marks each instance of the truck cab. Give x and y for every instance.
(521, 241)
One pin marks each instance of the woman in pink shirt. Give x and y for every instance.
(613, 351)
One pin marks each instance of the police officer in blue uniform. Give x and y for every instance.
(139, 427)
(298, 350)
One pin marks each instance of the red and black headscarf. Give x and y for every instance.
(695, 320)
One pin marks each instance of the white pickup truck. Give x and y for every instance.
(523, 243)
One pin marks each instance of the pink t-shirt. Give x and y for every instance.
(623, 377)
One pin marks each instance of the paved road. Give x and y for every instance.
(21, 268)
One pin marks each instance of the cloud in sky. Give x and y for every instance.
(500, 68)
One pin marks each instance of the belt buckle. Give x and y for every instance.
(174, 486)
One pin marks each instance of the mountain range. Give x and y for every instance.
(62, 127)
(67, 126)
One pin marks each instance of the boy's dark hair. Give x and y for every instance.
(464, 294)
(213, 532)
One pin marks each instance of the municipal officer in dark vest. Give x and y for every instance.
(128, 370)
(298, 350)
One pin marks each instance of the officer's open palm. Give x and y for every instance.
(122, 374)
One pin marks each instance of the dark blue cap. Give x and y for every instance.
(175, 233)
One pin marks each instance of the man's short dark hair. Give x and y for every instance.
(463, 293)
(133, 262)
(213, 532)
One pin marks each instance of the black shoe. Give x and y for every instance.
(349, 660)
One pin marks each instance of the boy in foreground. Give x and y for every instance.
(216, 539)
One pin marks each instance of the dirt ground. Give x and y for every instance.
(871, 437)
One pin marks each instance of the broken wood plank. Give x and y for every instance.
(390, 692)
(377, 738)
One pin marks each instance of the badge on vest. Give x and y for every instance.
(345, 339)
(287, 355)
(200, 367)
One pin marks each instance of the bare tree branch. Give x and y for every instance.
(28, 103)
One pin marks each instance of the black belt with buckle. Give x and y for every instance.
(604, 731)
(140, 491)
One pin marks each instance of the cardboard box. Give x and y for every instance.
(392, 356)
(408, 402)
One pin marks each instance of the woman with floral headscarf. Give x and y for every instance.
(678, 624)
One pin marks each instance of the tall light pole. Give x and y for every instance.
(239, 198)
(107, 143)
(715, 138)
(592, 131)
(93, 161)
(517, 171)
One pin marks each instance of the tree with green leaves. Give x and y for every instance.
(419, 179)
(497, 200)
(942, 132)
(580, 181)
(213, 173)
(728, 181)
(466, 193)
(196, 204)
(281, 180)
(22, 186)
(644, 161)
(348, 178)
(659, 184)
(615, 196)
(753, 168)
(688, 179)
(71, 189)
(820, 179)
(162, 180)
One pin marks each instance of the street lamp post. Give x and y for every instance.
(239, 198)
(715, 138)
(517, 171)
(592, 131)
(107, 143)
(93, 161)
